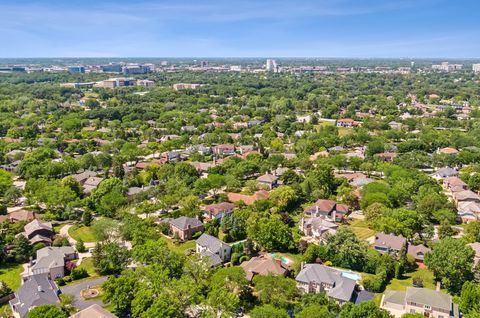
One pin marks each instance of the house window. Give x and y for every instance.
(427, 307)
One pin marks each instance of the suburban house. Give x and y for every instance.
(327, 209)
(448, 151)
(94, 311)
(389, 243)
(216, 250)
(51, 260)
(224, 150)
(83, 176)
(248, 199)
(36, 290)
(454, 184)
(317, 227)
(418, 252)
(445, 173)
(217, 210)
(268, 180)
(185, 227)
(39, 232)
(91, 184)
(423, 301)
(263, 265)
(387, 156)
(317, 278)
(347, 122)
(18, 216)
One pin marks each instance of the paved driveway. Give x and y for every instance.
(77, 288)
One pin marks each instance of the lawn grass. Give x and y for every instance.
(344, 131)
(5, 310)
(87, 264)
(82, 232)
(406, 281)
(361, 230)
(180, 248)
(10, 274)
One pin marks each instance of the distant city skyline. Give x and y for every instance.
(249, 28)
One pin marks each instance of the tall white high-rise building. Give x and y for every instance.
(271, 65)
(476, 68)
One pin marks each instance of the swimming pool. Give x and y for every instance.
(351, 275)
(283, 259)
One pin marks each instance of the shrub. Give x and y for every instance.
(67, 279)
(243, 259)
(235, 258)
(78, 273)
(60, 282)
(196, 235)
(80, 246)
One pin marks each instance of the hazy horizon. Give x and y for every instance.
(244, 29)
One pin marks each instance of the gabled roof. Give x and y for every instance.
(343, 287)
(390, 241)
(49, 257)
(212, 243)
(417, 251)
(36, 290)
(94, 311)
(267, 178)
(466, 195)
(36, 225)
(425, 296)
(184, 222)
(262, 265)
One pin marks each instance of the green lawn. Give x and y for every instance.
(10, 274)
(81, 232)
(179, 248)
(88, 265)
(5, 310)
(361, 230)
(402, 284)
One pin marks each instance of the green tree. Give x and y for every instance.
(344, 249)
(268, 311)
(451, 261)
(46, 311)
(283, 198)
(271, 233)
(274, 290)
(366, 309)
(314, 311)
(110, 258)
(469, 299)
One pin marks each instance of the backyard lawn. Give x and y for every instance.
(87, 264)
(180, 248)
(81, 232)
(406, 281)
(361, 230)
(10, 274)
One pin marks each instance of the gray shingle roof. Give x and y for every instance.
(36, 290)
(213, 244)
(430, 297)
(316, 273)
(183, 222)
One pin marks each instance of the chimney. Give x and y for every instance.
(302, 265)
(438, 286)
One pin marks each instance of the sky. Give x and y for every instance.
(240, 28)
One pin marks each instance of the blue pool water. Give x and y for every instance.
(351, 275)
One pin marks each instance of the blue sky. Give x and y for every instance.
(240, 28)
